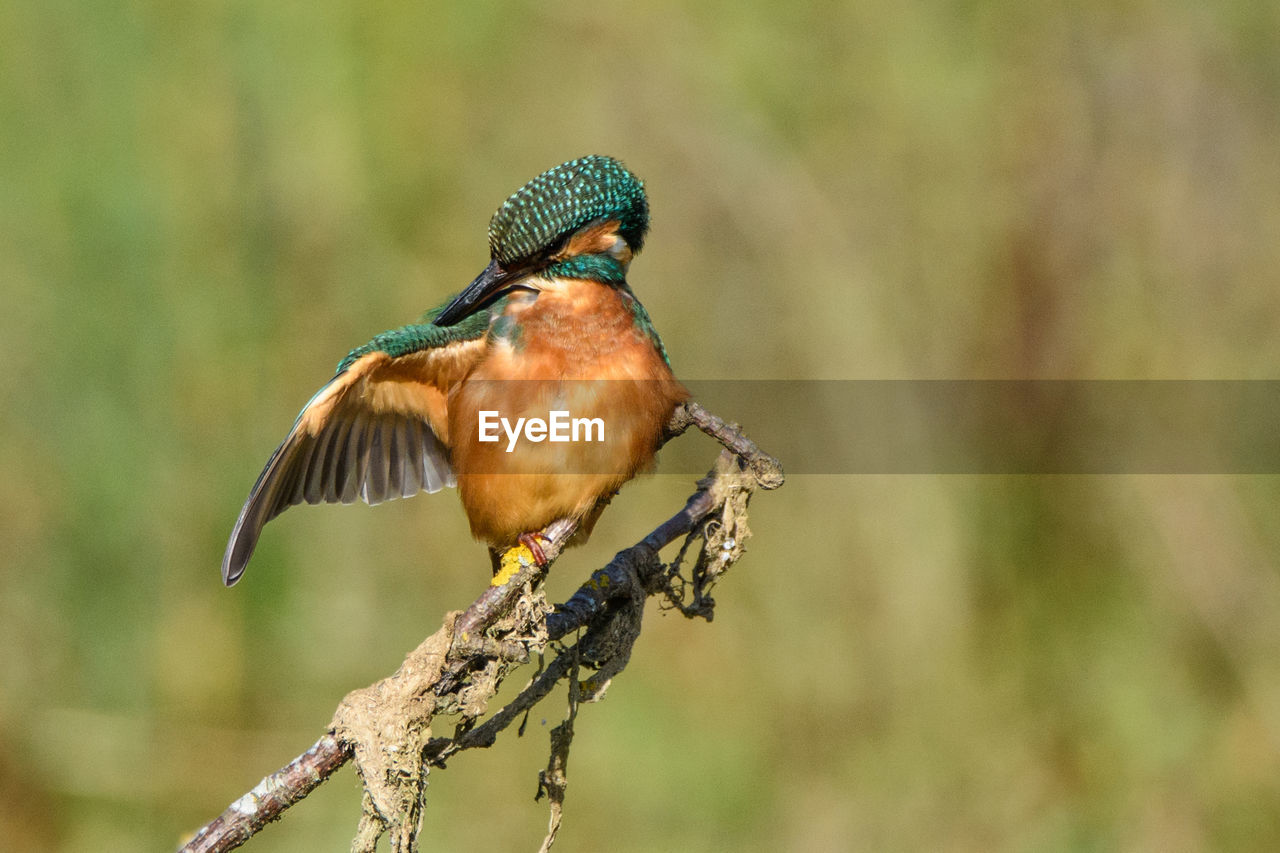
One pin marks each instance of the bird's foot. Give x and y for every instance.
(527, 552)
(530, 541)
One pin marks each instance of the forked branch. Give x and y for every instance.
(386, 727)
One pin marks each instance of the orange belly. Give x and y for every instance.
(586, 361)
(518, 484)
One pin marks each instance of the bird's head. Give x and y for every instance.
(583, 219)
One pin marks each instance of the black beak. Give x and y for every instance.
(476, 294)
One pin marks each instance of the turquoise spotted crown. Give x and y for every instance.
(562, 200)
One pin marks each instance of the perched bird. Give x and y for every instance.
(550, 326)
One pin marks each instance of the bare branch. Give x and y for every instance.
(270, 798)
(386, 727)
(768, 470)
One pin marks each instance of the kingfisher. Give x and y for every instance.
(549, 329)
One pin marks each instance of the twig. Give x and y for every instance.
(767, 470)
(270, 798)
(553, 781)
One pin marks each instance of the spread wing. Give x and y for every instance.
(377, 431)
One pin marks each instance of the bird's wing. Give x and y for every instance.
(376, 431)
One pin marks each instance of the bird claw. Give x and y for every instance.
(516, 557)
(530, 541)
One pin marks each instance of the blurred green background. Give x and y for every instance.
(204, 205)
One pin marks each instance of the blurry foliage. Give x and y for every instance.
(204, 205)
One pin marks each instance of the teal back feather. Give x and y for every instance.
(424, 335)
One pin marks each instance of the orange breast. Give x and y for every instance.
(601, 391)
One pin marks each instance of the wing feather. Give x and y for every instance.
(395, 459)
(357, 458)
(375, 483)
(313, 469)
(411, 439)
(338, 463)
(292, 479)
(367, 434)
